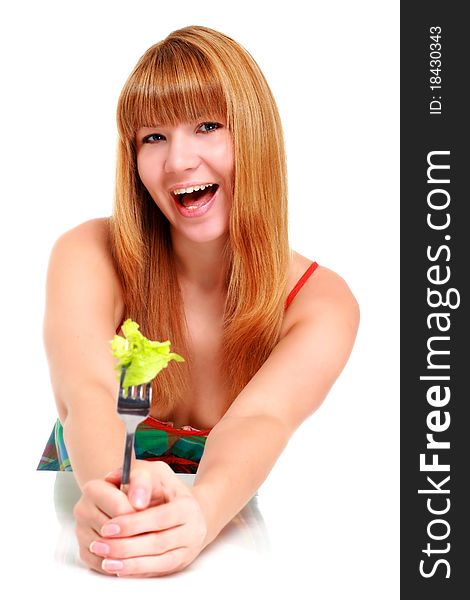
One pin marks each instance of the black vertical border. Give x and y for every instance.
(421, 133)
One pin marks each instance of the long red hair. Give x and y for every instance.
(193, 74)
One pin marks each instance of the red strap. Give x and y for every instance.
(156, 424)
(300, 283)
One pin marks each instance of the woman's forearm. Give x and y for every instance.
(239, 454)
(94, 436)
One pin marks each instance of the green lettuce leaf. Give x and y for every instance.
(143, 358)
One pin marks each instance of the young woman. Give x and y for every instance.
(196, 252)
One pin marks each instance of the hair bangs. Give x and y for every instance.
(174, 84)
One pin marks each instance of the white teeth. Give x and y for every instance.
(188, 190)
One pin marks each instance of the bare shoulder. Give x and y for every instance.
(324, 295)
(91, 241)
(319, 331)
(91, 236)
(81, 258)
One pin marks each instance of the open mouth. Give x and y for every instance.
(196, 198)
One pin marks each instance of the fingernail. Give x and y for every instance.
(139, 498)
(112, 565)
(110, 529)
(99, 548)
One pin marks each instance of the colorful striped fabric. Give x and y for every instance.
(154, 440)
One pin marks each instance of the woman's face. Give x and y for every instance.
(173, 159)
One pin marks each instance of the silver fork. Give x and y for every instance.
(132, 408)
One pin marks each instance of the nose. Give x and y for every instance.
(181, 153)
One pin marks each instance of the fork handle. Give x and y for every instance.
(126, 469)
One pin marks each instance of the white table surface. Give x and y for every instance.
(324, 525)
(240, 556)
(285, 542)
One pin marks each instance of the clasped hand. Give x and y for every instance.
(157, 529)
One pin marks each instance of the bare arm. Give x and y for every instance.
(240, 451)
(82, 307)
(243, 447)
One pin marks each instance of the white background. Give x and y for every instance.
(333, 69)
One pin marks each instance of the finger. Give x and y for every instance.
(87, 514)
(158, 496)
(147, 544)
(152, 481)
(140, 487)
(162, 564)
(170, 490)
(94, 562)
(110, 500)
(114, 477)
(90, 544)
(85, 538)
(155, 518)
(164, 476)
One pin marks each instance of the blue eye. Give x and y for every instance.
(212, 126)
(150, 139)
(206, 127)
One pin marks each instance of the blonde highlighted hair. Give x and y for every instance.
(197, 73)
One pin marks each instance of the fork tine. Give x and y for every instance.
(123, 374)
